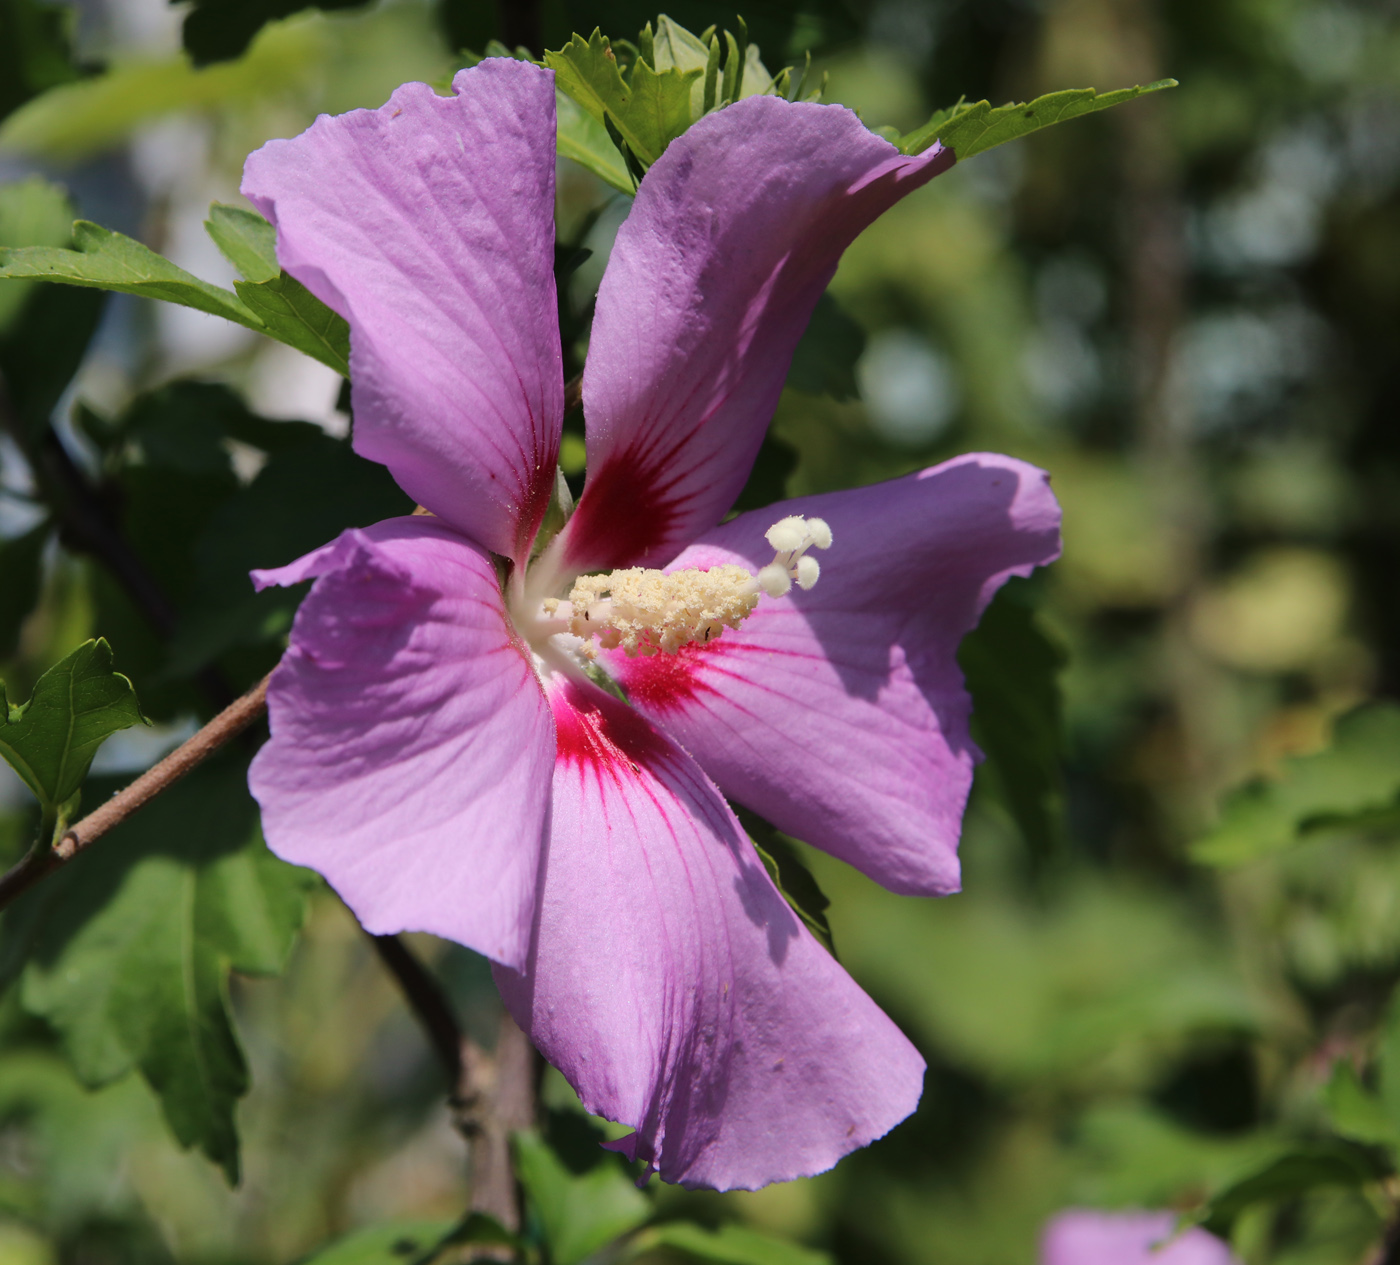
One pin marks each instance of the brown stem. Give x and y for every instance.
(573, 393)
(492, 1095)
(427, 1000)
(1387, 1251)
(504, 1103)
(229, 723)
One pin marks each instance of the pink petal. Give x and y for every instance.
(674, 987)
(411, 743)
(734, 235)
(429, 225)
(1082, 1236)
(840, 713)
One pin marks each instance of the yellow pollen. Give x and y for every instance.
(644, 611)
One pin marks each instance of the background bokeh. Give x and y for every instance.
(1187, 309)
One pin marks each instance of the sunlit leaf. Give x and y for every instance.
(1357, 777)
(280, 308)
(246, 240)
(290, 313)
(106, 260)
(33, 212)
(76, 706)
(586, 141)
(969, 129)
(128, 949)
(647, 113)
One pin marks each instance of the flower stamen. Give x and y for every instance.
(644, 611)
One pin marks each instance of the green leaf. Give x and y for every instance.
(586, 71)
(1308, 1167)
(21, 569)
(825, 360)
(42, 350)
(77, 120)
(675, 48)
(584, 140)
(33, 212)
(220, 30)
(1011, 667)
(648, 113)
(413, 1242)
(280, 308)
(34, 50)
(392, 1243)
(658, 110)
(972, 129)
(110, 261)
(767, 481)
(308, 492)
(579, 1211)
(726, 1245)
(1389, 1067)
(77, 704)
(790, 876)
(290, 313)
(44, 330)
(246, 240)
(127, 949)
(1354, 1110)
(1356, 778)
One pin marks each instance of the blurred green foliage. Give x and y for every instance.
(1169, 981)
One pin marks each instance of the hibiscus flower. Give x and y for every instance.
(439, 750)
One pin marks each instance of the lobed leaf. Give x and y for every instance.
(648, 112)
(1353, 780)
(77, 704)
(972, 129)
(127, 950)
